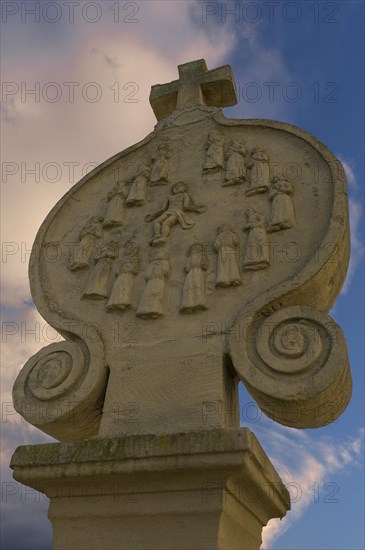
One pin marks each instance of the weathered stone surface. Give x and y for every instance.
(208, 490)
(299, 260)
(206, 254)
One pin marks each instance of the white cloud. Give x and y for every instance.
(302, 461)
(357, 245)
(349, 168)
(41, 132)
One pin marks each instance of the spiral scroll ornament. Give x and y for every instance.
(60, 392)
(294, 363)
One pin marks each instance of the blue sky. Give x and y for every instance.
(310, 55)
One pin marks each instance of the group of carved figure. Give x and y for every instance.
(100, 256)
(133, 191)
(255, 173)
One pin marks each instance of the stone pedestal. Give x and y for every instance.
(199, 490)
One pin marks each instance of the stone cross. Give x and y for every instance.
(170, 285)
(196, 86)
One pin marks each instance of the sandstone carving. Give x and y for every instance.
(226, 244)
(300, 374)
(86, 248)
(150, 293)
(257, 249)
(259, 175)
(160, 167)
(173, 211)
(137, 195)
(235, 168)
(97, 286)
(122, 292)
(151, 303)
(153, 400)
(282, 208)
(215, 152)
(116, 201)
(194, 292)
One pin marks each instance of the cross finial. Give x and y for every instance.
(196, 86)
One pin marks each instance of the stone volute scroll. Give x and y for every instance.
(209, 267)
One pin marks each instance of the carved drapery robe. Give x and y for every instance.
(121, 295)
(194, 291)
(160, 169)
(226, 244)
(115, 211)
(97, 285)
(236, 168)
(259, 176)
(138, 192)
(151, 303)
(215, 152)
(257, 250)
(282, 208)
(86, 249)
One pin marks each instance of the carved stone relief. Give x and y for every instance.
(257, 249)
(194, 292)
(116, 202)
(215, 152)
(259, 173)
(173, 212)
(86, 248)
(226, 245)
(128, 267)
(151, 302)
(94, 286)
(137, 195)
(97, 286)
(282, 208)
(160, 167)
(235, 168)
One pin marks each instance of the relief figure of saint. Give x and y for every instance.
(160, 167)
(89, 236)
(151, 303)
(282, 208)
(259, 176)
(226, 244)
(116, 201)
(121, 295)
(194, 291)
(97, 286)
(235, 168)
(257, 250)
(173, 211)
(215, 152)
(137, 195)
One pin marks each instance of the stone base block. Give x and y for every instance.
(191, 491)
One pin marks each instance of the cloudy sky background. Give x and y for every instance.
(312, 51)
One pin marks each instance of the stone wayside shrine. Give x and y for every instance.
(206, 254)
